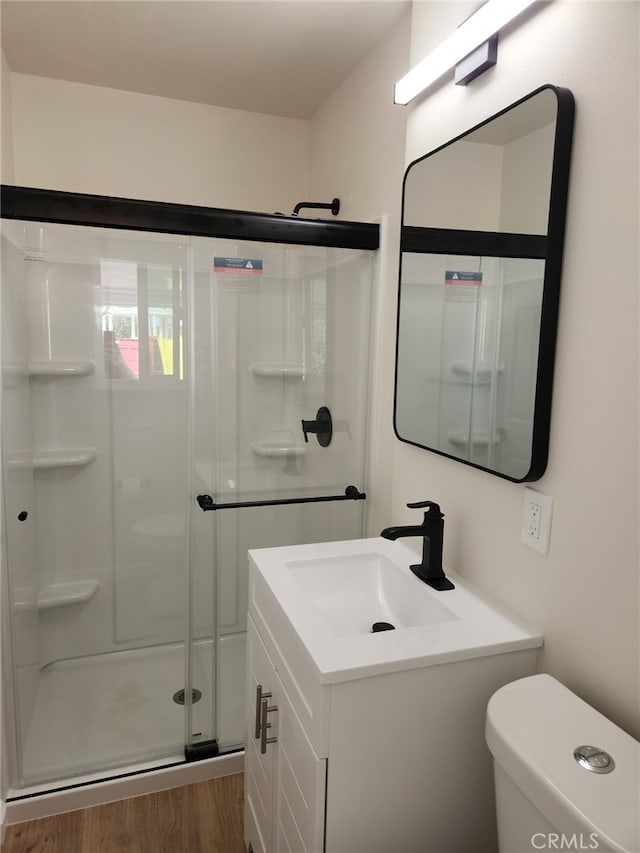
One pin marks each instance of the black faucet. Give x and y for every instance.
(432, 532)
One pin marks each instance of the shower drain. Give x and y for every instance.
(179, 696)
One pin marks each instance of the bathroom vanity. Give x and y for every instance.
(370, 742)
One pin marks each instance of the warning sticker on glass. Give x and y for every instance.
(238, 266)
(462, 277)
(462, 285)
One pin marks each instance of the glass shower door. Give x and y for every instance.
(289, 330)
(95, 446)
(141, 370)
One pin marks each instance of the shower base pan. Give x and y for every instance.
(105, 722)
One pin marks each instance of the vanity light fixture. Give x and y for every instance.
(469, 36)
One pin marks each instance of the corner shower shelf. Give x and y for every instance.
(61, 593)
(278, 371)
(276, 449)
(461, 439)
(52, 368)
(75, 457)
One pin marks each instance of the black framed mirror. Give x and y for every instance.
(483, 220)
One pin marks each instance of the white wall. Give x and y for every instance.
(6, 125)
(357, 152)
(79, 138)
(584, 594)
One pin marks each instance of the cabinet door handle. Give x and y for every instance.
(264, 725)
(259, 697)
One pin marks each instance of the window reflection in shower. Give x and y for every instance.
(138, 346)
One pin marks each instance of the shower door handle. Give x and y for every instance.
(259, 697)
(264, 725)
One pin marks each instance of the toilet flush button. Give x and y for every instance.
(593, 758)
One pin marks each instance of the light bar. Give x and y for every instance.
(473, 32)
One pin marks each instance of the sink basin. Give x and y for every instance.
(320, 601)
(354, 591)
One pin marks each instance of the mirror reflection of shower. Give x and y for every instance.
(481, 241)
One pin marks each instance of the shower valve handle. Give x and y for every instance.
(322, 427)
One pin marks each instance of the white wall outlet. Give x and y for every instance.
(536, 520)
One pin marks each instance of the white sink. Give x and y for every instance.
(354, 591)
(320, 601)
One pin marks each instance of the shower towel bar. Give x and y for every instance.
(351, 493)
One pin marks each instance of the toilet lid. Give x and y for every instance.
(533, 727)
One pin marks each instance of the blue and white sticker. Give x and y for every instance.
(462, 277)
(238, 266)
(462, 285)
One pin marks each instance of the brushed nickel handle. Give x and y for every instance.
(259, 697)
(264, 725)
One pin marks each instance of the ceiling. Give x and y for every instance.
(281, 57)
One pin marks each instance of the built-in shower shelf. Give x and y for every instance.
(75, 457)
(60, 593)
(52, 368)
(477, 373)
(480, 439)
(278, 371)
(66, 592)
(276, 449)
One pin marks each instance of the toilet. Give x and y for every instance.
(547, 798)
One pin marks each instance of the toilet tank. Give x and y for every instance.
(545, 799)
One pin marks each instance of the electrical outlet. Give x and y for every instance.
(533, 520)
(536, 520)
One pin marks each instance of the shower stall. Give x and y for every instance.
(164, 368)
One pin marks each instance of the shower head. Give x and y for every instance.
(334, 206)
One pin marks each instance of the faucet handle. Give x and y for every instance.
(433, 508)
(322, 427)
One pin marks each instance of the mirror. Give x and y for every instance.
(480, 260)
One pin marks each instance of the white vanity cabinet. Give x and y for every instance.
(284, 778)
(379, 757)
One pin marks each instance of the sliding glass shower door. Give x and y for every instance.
(95, 493)
(289, 327)
(140, 371)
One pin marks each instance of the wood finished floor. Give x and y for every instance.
(202, 818)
